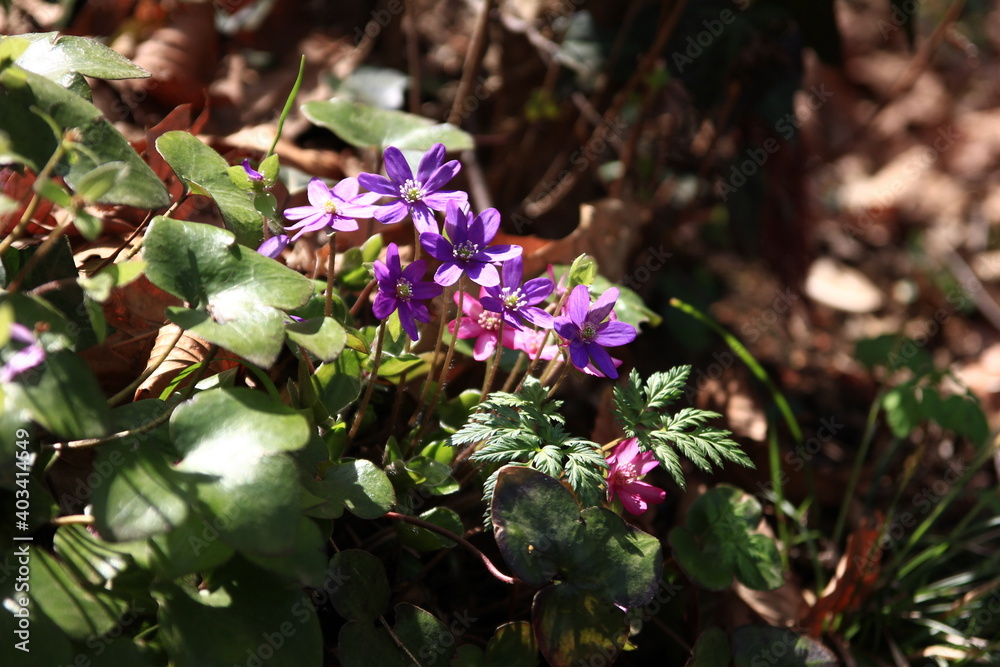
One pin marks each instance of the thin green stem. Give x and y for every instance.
(358, 418)
(36, 198)
(862, 455)
(288, 106)
(774, 459)
(559, 381)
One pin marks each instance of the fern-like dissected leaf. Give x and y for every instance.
(662, 447)
(549, 459)
(662, 389)
(629, 399)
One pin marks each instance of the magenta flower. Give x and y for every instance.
(337, 208)
(468, 250)
(24, 359)
(588, 333)
(416, 196)
(517, 303)
(402, 290)
(274, 245)
(625, 466)
(482, 325)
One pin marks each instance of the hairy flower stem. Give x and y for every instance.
(434, 360)
(534, 362)
(370, 388)
(488, 382)
(328, 307)
(559, 381)
(514, 371)
(363, 297)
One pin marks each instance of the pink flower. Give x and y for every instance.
(626, 465)
(24, 359)
(530, 342)
(482, 325)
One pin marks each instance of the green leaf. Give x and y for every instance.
(31, 140)
(615, 560)
(717, 541)
(324, 337)
(236, 439)
(269, 169)
(711, 650)
(582, 271)
(193, 546)
(778, 647)
(364, 126)
(64, 397)
(360, 486)
(235, 293)
(98, 286)
(135, 492)
(427, 638)
(512, 644)
(902, 410)
(338, 384)
(572, 626)
(79, 611)
(535, 523)
(422, 539)
(59, 58)
(360, 587)
(307, 562)
(361, 644)
(199, 165)
(95, 184)
(89, 226)
(249, 612)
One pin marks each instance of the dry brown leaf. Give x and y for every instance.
(857, 572)
(188, 350)
(609, 231)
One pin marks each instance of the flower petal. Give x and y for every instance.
(392, 213)
(483, 274)
(613, 334)
(302, 212)
(273, 246)
(512, 271)
(602, 360)
(603, 306)
(430, 161)
(396, 166)
(318, 193)
(625, 451)
(578, 354)
(577, 304)
(566, 328)
(406, 319)
(346, 189)
(536, 316)
(536, 290)
(454, 218)
(441, 175)
(423, 291)
(439, 200)
(492, 304)
(487, 224)
(499, 253)
(384, 305)
(437, 246)
(485, 345)
(423, 220)
(379, 184)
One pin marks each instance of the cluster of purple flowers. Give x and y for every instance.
(508, 311)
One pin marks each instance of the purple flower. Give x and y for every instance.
(336, 208)
(416, 196)
(468, 250)
(517, 302)
(482, 325)
(625, 466)
(273, 246)
(24, 359)
(588, 333)
(401, 290)
(252, 173)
